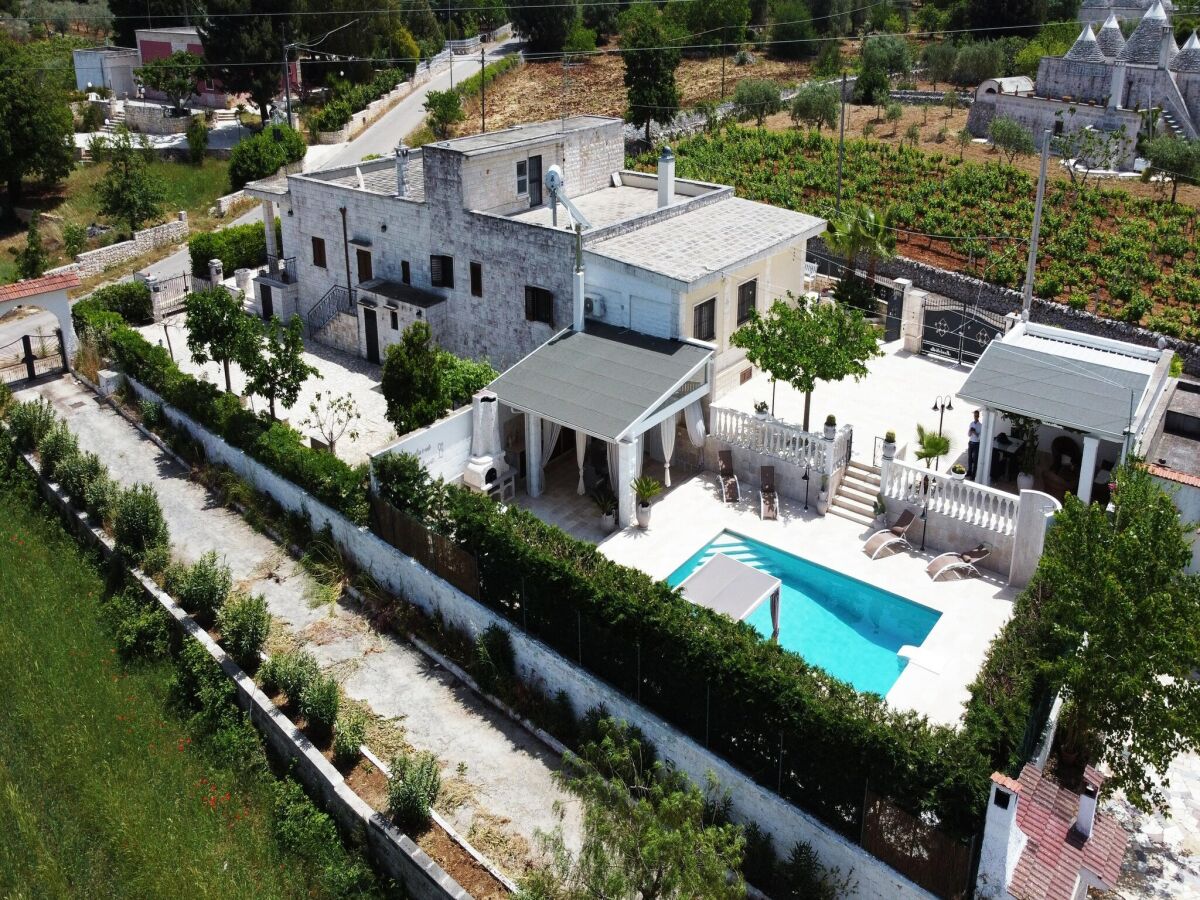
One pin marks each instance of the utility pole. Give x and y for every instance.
(1027, 299)
(841, 144)
(482, 91)
(287, 81)
(724, 47)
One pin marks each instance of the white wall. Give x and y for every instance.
(443, 448)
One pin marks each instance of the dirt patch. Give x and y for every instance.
(456, 791)
(490, 835)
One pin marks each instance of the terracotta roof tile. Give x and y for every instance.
(1004, 781)
(1050, 864)
(1172, 475)
(36, 286)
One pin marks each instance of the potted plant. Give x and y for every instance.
(830, 427)
(607, 504)
(760, 410)
(880, 511)
(1026, 429)
(645, 489)
(958, 471)
(931, 446)
(889, 445)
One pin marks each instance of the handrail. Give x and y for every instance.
(283, 268)
(770, 437)
(967, 501)
(337, 299)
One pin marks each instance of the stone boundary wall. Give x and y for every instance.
(926, 98)
(228, 202)
(1006, 300)
(537, 663)
(394, 851)
(149, 118)
(93, 262)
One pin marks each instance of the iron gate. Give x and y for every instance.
(889, 302)
(167, 295)
(957, 330)
(32, 356)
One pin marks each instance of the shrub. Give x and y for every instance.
(244, 622)
(6, 398)
(298, 825)
(197, 139)
(140, 629)
(264, 154)
(76, 472)
(319, 701)
(413, 789)
(203, 586)
(757, 98)
(56, 444)
(237, 247)
(290, 673)
(92, 118)
(29, 422)
(94, 324)
(156, 560)
(138, 522)
(130, 299)
(100, 497)
(330, 117)
(493, 665)
(75, 238)
(349, 733)
(199, 685)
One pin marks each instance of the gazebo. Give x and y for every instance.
(1109, 394)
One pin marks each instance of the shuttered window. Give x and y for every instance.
(747, 300)
(441, 271)
(318, 245)
(476, 279)
(539, 305)
(704, 320)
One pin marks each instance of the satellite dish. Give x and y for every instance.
(554, 179)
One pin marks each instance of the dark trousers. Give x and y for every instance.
(972, 458)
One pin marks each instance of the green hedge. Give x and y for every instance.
(711, 677)
(469, 87)
(264, 154)
(238, 247)
(329, 479)
(128, 299)
(349, 99)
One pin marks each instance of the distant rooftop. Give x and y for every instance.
(508, 137)
(378, 176)
(174, 29)
(635, 196)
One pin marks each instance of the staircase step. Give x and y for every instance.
(866, 485)
(864, 509)
(857, 518)
(863, 467)
(857, 494)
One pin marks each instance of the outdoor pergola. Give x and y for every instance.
(1103, 391)
(612, 385)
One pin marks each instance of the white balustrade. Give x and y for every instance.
(964, 500)
(768, 436)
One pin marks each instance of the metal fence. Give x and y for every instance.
(32, 356)
(167, 294)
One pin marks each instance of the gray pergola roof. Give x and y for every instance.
(1084, 395)
(728, 586)
(601, 380)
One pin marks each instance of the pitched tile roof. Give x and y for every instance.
(1085, 47)
(1188, 59)
(1051, 862)
(1172, 475)
(1145, 43)
(34, 287)
(1110, 38)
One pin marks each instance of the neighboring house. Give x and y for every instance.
(1096, 11)
(106, 67)
(1104, 82)
(1042, 841)
(156, 43)
(1173, 458)
(463, 233)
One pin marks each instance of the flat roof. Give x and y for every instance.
(1081, 390)
(729, 586)
(601, 380)
(702, 243)
(379, 177)
(535, 131)
(600, 207)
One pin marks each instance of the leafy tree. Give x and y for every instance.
(931, 446)
(274, 362)
(859, 230)
(894, 113)
(580, 39)
(792, 30)
(913, 133)
(963, 140)
(889, 53)
(32, 259)
(219, 329)
(262, 155)
(829, 60)
(1011, 138)
(402, 50)
(420, 20)
(817, 104)
(244, 38)
(801, 346)
(978, 62)
(1174, 158)
(36, 139)
(650, 86)
(412, 379)
(332, 416)
(129, 192)
(873, 87)
(647, 834)
(950, 100)
(938, 58)
(173, 75)
(130, 15)
(444, 108)
(197, 139)
(757, 97)
(712, 23)
(544, 27)
(1013, 15)
(1126, 633)
(601, 18)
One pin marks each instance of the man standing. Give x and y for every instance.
(974, 431)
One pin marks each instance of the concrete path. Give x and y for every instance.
(506, 784)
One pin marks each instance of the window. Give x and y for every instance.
(318, 245)
(747, 300)
(539, 305)
(210, 86)
(365, 272)
(476, 280)
(395, 321)
(441, 271)
(405, 272)
(704, 320)
(522, 177)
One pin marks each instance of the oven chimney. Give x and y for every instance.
(401, 170)
(1116, 94)
(666, 178)
(1166, 47)
(1087, 808)
(577, 282)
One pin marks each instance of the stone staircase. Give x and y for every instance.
(855, 498)
(118, 118)
(1173, 126)
(224, 117)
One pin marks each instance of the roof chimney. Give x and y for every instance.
(401, 170)
(1087, 808)
(1167, 49)
(666, 178)
(1003, 840)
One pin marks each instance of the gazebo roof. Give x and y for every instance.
(729, 586)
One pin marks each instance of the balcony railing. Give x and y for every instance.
(787, 442)
(955, 498)
(282, 268)
(336, 300)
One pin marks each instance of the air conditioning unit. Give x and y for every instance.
(593, 307)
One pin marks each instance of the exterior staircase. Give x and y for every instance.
(1173, 126)
(855, 498)
(117, 118)
(224, 117)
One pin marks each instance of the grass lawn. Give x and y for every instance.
(101, 791)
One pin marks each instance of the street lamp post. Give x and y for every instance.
(940, 405)
(807, 466)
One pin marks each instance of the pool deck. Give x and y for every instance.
(935, 681)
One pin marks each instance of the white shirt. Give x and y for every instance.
(974, 430)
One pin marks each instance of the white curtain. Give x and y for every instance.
(581, 440)
(693, 414)
(638, 453)
(667, 434)
(550, 433)
(613, 463)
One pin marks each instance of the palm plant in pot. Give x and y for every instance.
(645, 489)
(606, 502)
(931, 446)
(1026, 428)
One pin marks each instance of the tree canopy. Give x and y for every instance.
(1011, 138)
(275, 367)
(757, 98)
(248, 48)
(817, 104)
(173, 75)
(802, 346)
(219, 329)
(420, 381)
(652, 94)
(1174, 158)
(444, 108)
(129, 192)
(544, 27)
(36, 140)
(792, 30)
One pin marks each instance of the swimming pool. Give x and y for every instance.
(847, 627)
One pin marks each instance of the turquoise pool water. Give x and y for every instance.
(847, 627)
